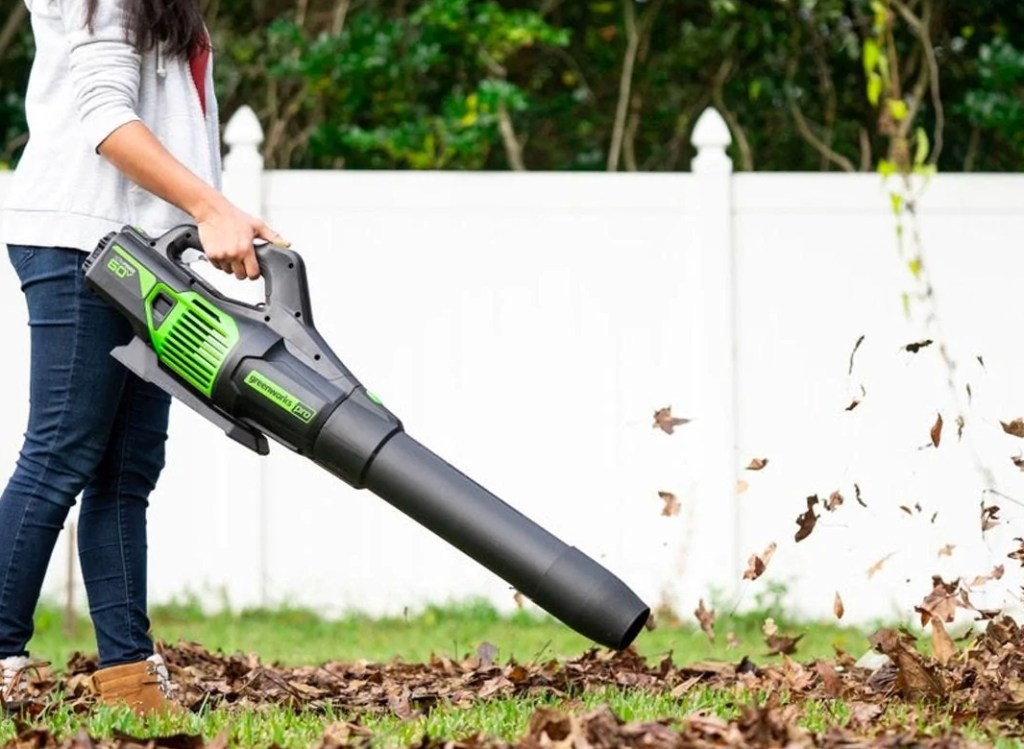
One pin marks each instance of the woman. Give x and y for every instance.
(123, 130)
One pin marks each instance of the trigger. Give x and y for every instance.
(192, 255)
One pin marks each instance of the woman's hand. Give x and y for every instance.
(227, 234)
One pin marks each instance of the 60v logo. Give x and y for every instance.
(120, 268)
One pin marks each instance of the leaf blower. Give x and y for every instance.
(263, 370)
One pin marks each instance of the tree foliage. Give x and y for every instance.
(609, 84)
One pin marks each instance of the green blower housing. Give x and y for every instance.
(263, 370)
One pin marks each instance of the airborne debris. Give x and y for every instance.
(671, 507)
(666, 422)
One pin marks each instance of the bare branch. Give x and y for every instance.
(921, 28)
(11, 27)
(338, 17)
(513, 148)
(865, 150)
(820, 146)
(625, 84)
(629, 142)
(718, 99)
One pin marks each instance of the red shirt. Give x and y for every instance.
(197, 63)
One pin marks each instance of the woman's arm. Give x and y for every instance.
(226, 232)
(105, 79)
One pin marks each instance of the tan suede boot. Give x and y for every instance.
(142, 686)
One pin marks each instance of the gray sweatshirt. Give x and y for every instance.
(83, 86)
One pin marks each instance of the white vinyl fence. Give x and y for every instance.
(527, 326)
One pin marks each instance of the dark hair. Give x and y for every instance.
(176, 24)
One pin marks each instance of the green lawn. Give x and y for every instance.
(294, 637)
(300, 637)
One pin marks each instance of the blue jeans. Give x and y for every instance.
(94, 428)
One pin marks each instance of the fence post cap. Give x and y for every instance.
(243, 129)
(711, 130)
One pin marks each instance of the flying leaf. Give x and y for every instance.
(989, 517)
(940, 603)
(877, 566)
(756, 565)
(806, 520)
(1018, 553)
(671, 507)
(518, 598)
(936, 432)
(855, 347)
(1015, 427)
(769, 628)
(706, 619)
(995, 574)
(782, 644)
(856, 491)
(666, 422)
(915, 347)
(835, 499)
(943, 648)
(837, 606)
(853, 404)
(1018, 461)
(960, 424)
(970, 395)
(947, 550)
(741, 486)
(757, 464)
(981, 360)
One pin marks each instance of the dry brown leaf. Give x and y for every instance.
(757, 464)
(741, 486)
(518, 598)
(782, 644)
(837, 606)
(940, 603)
(830, 680)
(706, 619)
(915, 347)
(666, 422)
(947, 550)
(1018, 553)
(995, 574)
(989, 516)
(914, 679)
(943, 648)
(806, 520)
(877, 566)
(756, 565)
(856, 346)
(1018, 461)
(853, 404)
(936, 431)
(671, 507)
(1014, 428)
(835, 499)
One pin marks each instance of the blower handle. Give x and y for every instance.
(283, 271)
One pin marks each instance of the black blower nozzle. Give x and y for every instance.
(264, 370)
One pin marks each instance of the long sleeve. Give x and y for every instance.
(104, 68)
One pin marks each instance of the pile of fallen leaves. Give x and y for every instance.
(980, 682)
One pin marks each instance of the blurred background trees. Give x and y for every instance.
(605, 84)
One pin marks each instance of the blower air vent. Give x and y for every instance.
(193, 338)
